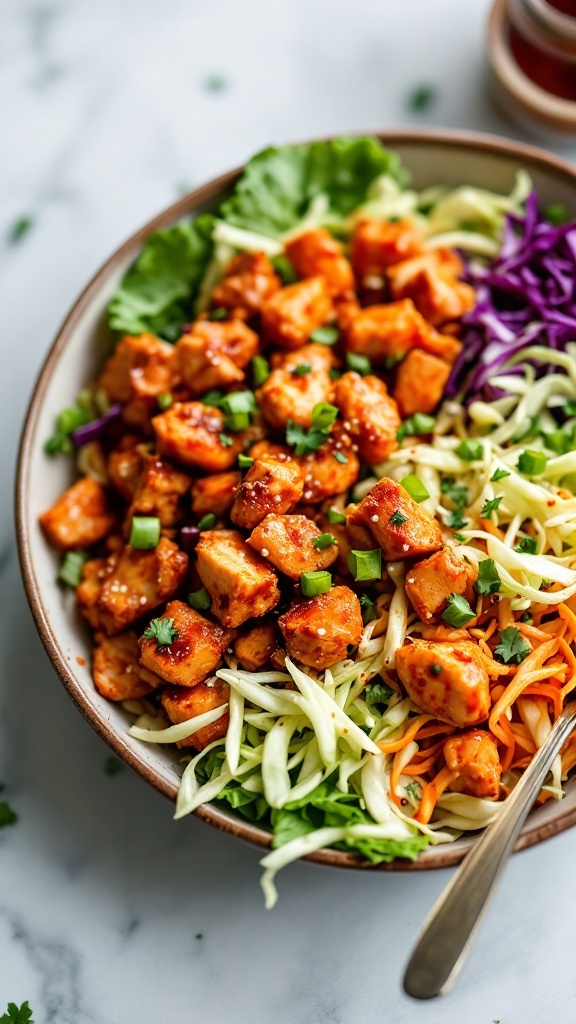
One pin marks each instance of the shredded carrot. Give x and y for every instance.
(549, 692)
(530, 671)
(431, 793)
(419, 768)
(489, 527)
(505, 617)
(392, 746)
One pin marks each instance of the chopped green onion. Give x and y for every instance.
(560, 441)
(529, 429)
(458, 612)
(284, 269)
(556, 213)
(335, 374)
(220, 313)
(488, 581)
(325, 335)
(527, 546)
(227, 441)
(418, 424)
(415, 487)
(238, 401)
(323, 416)
(315, 583)
(398, 518)
(368, 610)
(235, 422)
(71, 568)
(334, 516)
(70, 419)
(164, 400)
(460, 538)
(470, 450)
(207, 521)
(212, 397)
(199, 599)
(58, 443)
(144, 532)
(361, 364)
(325, 540)
(260, 370)
(499, 474)
(302, 369)
(245, 461)
(366, 565)
(340, 457)
(435, 669)
(532, 463)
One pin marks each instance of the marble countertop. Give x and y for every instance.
(109, 911)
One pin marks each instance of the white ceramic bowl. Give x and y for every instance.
(438, 157)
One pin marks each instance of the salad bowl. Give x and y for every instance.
(83, 341)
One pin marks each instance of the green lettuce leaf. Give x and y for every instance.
(278, 185)
(157, 293)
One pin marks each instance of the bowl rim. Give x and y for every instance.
(193, 202)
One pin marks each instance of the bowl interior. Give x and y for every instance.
(82, 344)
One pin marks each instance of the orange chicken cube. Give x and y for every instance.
(159, 491)
(139, 582)
(429, 584)
(192, 433)
(269, 486)
(400, 526)
(293, 312)
(319, 630)
(289, 393)
(125, 465)
(193, 655)
(213, 354)
(118, 674)
(136, 373)
(181, 704)
(386, 333)
(420, 382)
(377, 244)
(474, 755)
(431, 281)
(255, 648)
(215, 493)
(287, 542)
(314, 252)
(80, 517)
(447, 680)
(249, 281)
(88, 593)
(371, 414)
(240, 583)
(324, 474)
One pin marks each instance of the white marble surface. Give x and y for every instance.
(110, 912)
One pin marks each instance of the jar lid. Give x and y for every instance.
(552, 21)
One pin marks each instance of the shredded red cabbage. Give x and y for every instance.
(526, 296)
(93, 431)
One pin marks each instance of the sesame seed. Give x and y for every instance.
(405, 547)
(277, 499)
(142, 600)
(265, 552)
(322, 631)
(354, 447)
(428, 615)
(375, 518)
(411, 580)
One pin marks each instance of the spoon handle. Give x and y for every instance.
(449, 929)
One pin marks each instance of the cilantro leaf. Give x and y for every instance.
(488, 581)
(512, 648)
(17, 1016)
(527, 545)
(378, 693)
(303, 440)
(163, 631)
(458, 612)
(158, 290)
(499, 474)
(489, 507)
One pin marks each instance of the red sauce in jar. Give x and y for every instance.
(542, 39)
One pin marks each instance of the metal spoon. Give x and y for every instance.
(448, 932)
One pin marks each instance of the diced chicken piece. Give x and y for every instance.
(94, 573)
(249, 281)
(192, 433)
(139, 582)
(291, 394)
(324, 473)
(287, 542)
(137, 372)
(420, 382)
(346, 311)
(270, 450)
(371, 414)
(214, 354)
(431, 281)
(240, 583)
(269, 486)
(429, 584)
(125, 464)
(401, 527)
(193, 655)
(293, 312)
(80, 517)
(215, 493)
(474, 755)
(386, 333)
(319, 630)
(446, 680)
(316, 252)
(159, 491)
(377, 244)
(118, 674)
(255, 648)
(181, 704)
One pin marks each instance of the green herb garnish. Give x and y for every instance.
(163, 631)
(512, 648)
(458, 612)
(398, 518)
(488, 581)
(489, 507)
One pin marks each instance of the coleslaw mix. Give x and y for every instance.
(343, 755)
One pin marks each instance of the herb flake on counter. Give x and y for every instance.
(422, 98)
(113, 765)
(19, 229)
(7, 815)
